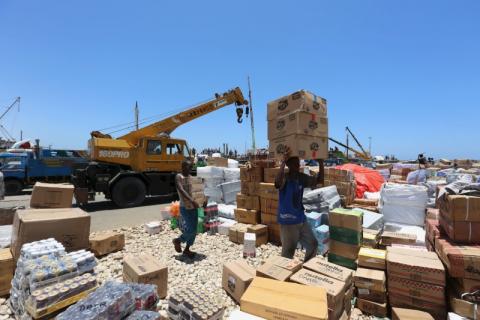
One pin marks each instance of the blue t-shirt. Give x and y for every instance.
(290, 202)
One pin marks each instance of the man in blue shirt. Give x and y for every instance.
(291, 213)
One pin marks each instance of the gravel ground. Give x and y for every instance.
(205, 270)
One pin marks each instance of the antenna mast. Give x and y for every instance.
(251, 116)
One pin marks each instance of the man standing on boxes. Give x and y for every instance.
(291, 213)
(188, 211)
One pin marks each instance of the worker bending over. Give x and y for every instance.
(188, 211)
(291, 213)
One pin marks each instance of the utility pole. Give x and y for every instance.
(136, 115)
(21, 135)
(370, 146)
(346, 149)
(251, 116)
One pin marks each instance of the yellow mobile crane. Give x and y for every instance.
(145, 161)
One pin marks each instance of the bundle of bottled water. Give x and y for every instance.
(144, 315)
(84, 259)
(190, 304)
(145, 295)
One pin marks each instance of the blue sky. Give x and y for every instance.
(406, 73)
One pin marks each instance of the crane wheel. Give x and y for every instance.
(13, 187)
(129, 192)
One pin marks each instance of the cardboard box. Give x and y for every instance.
(410, 314)
(145, 268)
(460, 231)
(373, 308)
(69, 226)
(269, 206)
(322, 266)
(236, 277)
(6, 216)
(298, 101)
(272, 271)
(7, 267)
(261, 233)
(51, 195)
(292, 265)
(432, 230)
(371, 238)
(417, 290)
(437, 311)
(274, 235)
(280, 300)
(342, 261)
(372, 258)
(237, 232)
(346, 218)
(391, 237)
(217, 162)
(464, 308)
(371, 295)
(248, 202)
(298, 122)
(432, 214)
(460, 208)
(247, 216)
(415, 265)
(461, 261)
(233, 234)
(268, 219)
(370, 279)
(249, 188)
(269, 174)
(249, 245)
(106, 242)
(346, 250)
(251, 174)
(268, 191)
(467, 285)
(302, 146)
(336, 289)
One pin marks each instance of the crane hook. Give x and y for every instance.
(239, 114)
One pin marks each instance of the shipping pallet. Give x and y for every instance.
(38, 314)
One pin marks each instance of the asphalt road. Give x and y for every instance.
(105, 215)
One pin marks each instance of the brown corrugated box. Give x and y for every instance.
(391, 237)
(70, 226)
(460, 231)
(7, 269)
(417, 290)
(371, 295)
(464, 308)
(415, 265)
(51, 195)
(298, 101)
(237, 232)
(336, 289)
(279, 268)
(322, 266)
(432, 230)
(438, 312)
(460, 207)
(349, 251)
(268, 218)
(248, 202)
(269, 206)
(251, 174)
(410, 314)
(269, 174)
(467, 285)
(261, 233)
(268, 191)
(370, 279)
(372, 258)
(461, 261)
(6, 216)
(217, 162)
(247, 216)
(236, 277)
(298, 122)
(302, 146)
(373, 308)
(106, 242)
(145, 268)
(272, 299)
(249, 188)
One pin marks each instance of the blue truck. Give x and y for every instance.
(22, 168)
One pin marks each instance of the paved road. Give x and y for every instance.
(105, 215)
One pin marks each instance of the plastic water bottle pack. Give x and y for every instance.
(145, 295)
(144, 315)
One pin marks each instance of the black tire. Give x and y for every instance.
(13, 187)
(129, 192)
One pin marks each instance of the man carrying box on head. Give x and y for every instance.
(291, 213)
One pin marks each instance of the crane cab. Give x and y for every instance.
(161, 154)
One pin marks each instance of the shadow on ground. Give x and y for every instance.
(109, 205)
(198, 257)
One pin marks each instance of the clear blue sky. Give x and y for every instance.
(406, 73)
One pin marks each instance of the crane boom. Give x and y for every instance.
(169, 124)
(356, 140)
(358, 153)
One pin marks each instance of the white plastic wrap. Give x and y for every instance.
(403, 203)
(226, 210)
(417, 176)
(210, 172)
(232, 163)
(371, 195)
(213, 194)
(5, 236)
(419, 232)
(231, 174)
(322, 199)
(213, 182)
(371, 220)
(224, 227)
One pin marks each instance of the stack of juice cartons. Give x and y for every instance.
(298, 121)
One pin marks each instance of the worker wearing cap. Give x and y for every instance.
(291, 213)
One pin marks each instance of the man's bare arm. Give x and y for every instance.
(182, 191)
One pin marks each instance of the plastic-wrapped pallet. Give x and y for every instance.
(322, 199)
(5, 236)
(210, 172)
(232, 163)
(403, 203)
(226, 211)
(231, 174)
(230, 190)
(213, 194)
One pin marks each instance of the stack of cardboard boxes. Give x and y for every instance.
(336, 280)
(344, 180)
(198, 190)
(144, 268)
(298, 121)
(416, 279)
(371, 291)
(269, 203)
(346, 233)
(248, 201)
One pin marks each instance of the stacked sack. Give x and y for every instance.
(298, 121)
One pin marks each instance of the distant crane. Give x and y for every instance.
(356, 140)
(2, 128)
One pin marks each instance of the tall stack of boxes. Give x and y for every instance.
(346, 233)
(298, 121)
(416, 280)
(371, 291)
(269, 203)
(344, 180)
(457, 243)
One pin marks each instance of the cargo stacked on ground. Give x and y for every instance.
(344, 180)
(371, 291)
(346, 232)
